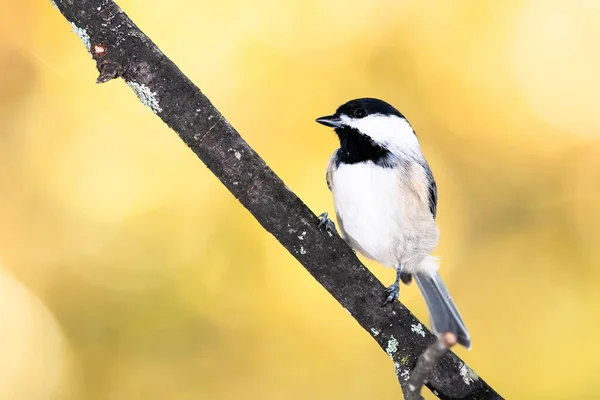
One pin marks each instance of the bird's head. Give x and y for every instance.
(372, 122)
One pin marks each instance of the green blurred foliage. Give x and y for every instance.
(129, 272)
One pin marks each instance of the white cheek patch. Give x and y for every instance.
(390, 131)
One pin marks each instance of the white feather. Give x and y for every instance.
(390, 131)
(382, 213)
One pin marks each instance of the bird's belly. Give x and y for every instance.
(366, 232)
(379, 217)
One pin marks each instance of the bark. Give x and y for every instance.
(121, 50)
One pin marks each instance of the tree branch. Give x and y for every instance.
(120, 49)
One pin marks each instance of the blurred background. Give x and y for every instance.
(127, 271)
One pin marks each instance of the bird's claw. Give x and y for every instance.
(392, 293)
(327, 223)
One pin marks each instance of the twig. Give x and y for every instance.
(120, 49)
(425, 364)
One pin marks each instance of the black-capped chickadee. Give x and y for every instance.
(385, 200)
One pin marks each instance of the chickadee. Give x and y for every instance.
(385, 200)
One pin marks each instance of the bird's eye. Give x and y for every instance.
(360, 113)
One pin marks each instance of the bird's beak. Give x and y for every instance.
(332, 120)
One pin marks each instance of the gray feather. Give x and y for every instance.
(442, 311)
(432, 187)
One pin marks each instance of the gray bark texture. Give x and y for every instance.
(121, 50)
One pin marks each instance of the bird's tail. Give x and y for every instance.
(443, 314)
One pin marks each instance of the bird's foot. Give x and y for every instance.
(324, 221)
(392, 292)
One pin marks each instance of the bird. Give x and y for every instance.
(385, 199)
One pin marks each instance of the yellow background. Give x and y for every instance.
(129, 272)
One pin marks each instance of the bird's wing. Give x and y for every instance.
(423, 185)
(432, 191)
(330, 169)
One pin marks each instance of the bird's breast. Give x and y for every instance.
(381, 212)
